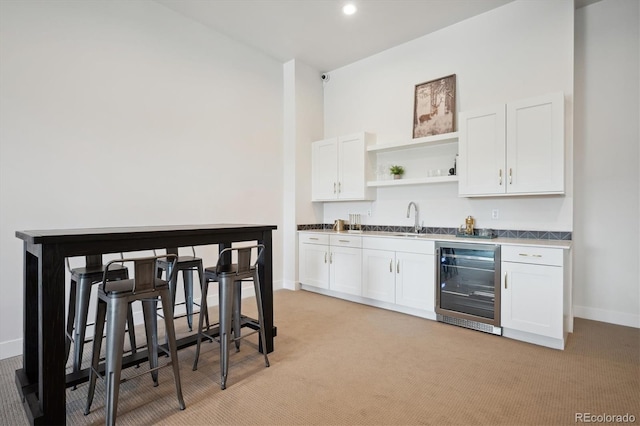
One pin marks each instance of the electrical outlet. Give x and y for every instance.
(495, 214)
(369, 212)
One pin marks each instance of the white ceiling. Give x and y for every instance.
(317, 33)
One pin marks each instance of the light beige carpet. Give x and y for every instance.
(341, 363)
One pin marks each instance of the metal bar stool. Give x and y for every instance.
(82, 279)
(113, 299)
(186, 264)
(229, 277)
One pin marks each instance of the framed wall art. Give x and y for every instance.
(434, 107)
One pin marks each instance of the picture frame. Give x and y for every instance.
(434, 107)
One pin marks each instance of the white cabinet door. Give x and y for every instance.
(532, 298)
(481, 168)
(535, 145)
(345, 271)
(324, 169)
(379, 275)
(314, 265)
(351, 167)
(415, 280)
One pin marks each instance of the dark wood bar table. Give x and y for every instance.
(43, 380)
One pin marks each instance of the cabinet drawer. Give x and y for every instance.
(314, 238)
(345, 240)
(407, 245)
(535, 255)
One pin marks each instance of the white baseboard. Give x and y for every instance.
(290, 285)
(10, 348)
(535, 339)
(603, 315)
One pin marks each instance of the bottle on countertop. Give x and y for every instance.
(469, 222)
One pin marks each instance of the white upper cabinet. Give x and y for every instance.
(340, 168)
(324, 165)
(482, 149)
(513, 149)
(535, 145)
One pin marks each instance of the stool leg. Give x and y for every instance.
(171, 333)
(130, 324)
(237, 308)
(131, 329)
(173, 286)
(256, 285)
(149, 310)
(95, 355)
(187, 278)
(203, 313)
(83, 295)
(117, 318)
(71, 316)
(226, 302)
(203, 303)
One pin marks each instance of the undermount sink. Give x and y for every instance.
(410, 235)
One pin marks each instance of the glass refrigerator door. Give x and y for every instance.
(467, 281)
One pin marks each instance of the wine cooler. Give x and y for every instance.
(468, 285)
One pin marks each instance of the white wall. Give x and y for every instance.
(303, 101)
(519, 50)
(125, 113)
(607, 181)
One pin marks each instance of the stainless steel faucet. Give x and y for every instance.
(416, 227)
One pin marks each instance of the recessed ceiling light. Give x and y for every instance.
(349, 9)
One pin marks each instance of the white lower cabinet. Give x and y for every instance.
(313, 258)
(345, 268)
(332, 262)
(404, 275)
(533, 295)
(415, 281)
(379, 275)
(400, 273)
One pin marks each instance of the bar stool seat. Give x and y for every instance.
(230, 277)
(82, 280)
(186, 264)
(114, 297)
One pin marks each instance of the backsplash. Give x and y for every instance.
(500, 233)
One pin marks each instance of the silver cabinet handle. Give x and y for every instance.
(313, 238)
(510, 176)
(500, 177)
(505, 280)
(339, 187)
(325, 257)
(391, 265)
(397, 267)
(344, 241)
(334, 187)
(529, 255)
(330, 257)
